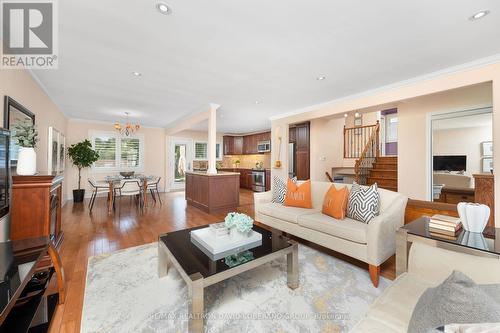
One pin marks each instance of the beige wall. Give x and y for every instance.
(154, 152)
(414, 133)
(20, 85)
(388, 97)
(462, 141)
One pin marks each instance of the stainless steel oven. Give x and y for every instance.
(258, 180)
(264, 146)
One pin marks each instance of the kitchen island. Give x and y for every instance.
(213, 193)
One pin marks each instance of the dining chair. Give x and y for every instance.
(131, 188)
(153, 187)
(98, 187)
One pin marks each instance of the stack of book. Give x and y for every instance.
(444, 226)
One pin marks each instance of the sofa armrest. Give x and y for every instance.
(381, 236)
(260, 198)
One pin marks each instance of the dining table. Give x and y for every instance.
(115, 180)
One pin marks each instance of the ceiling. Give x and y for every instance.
(235, 53)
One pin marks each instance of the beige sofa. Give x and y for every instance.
(427, 267)
(372, 243)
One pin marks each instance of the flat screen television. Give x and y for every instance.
(450, 163)
(4, 185)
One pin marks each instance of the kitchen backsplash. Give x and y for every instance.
(247, 161)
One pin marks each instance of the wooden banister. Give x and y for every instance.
(372, 145)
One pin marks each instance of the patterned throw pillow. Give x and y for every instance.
(279, 189)
(364, 203)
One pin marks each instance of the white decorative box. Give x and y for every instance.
(216, 247)
(219, 229)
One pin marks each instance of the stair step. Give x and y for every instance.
(392, 182)
(385, 166)
(389, 162)
(384, 173)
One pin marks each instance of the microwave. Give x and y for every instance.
(264, 146)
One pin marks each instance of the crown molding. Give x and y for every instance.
(446, 71)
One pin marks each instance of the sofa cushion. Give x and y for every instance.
(289, 214)
(347, 228)
(298, 195)
(364, 203)
(335, 202)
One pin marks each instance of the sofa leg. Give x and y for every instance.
(374, 274)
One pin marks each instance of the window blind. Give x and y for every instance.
(129, 152)
(200, 150)
(106, 148)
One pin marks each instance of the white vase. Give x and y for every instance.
(26, 161)
(474, 217)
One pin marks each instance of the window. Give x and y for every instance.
(391, 125)
(201, 151)
(116, 152)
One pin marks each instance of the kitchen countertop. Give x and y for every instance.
(220, 173)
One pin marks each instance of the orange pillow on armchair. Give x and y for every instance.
(298, 195)
(335, 202)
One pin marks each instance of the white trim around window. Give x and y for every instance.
(117, 167)
(205, 156)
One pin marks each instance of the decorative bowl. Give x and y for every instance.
(127, 174)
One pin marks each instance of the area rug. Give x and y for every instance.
(124, 294)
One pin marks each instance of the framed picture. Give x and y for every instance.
(487, 164)
(358, 121)
(61, 153)
(53, 151)
(487, 148)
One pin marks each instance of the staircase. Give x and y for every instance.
(384, 172)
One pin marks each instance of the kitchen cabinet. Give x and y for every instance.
(233, 145)
(244, 145)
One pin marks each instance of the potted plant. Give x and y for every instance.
(82, 156)
(26, 137)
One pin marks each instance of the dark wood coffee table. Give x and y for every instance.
(199, 271)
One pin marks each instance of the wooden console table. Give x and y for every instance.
(485, 193)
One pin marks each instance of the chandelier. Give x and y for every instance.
(128, 128)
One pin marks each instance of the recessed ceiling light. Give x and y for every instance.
(479, 15)
(321, 78)
(257, 102)
(136, 74)
(163, 8)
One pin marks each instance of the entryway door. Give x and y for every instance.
(180, 160)
(389, 124)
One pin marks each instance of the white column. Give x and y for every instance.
(212, 138)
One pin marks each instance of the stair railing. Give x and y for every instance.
(356, 138)
(370, 152)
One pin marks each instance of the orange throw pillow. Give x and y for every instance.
(335, 202)
(298, 195)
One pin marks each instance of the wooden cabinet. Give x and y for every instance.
(456, 195)
(244, 145)
(36, 207)
(291, 135)
(233, 145)
(268, 180)
(485, 193)
(213, 193)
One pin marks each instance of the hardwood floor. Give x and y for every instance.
(89, 234)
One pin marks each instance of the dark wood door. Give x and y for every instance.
(291, 135)
(302, 148)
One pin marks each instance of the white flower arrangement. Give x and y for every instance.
(242, 222)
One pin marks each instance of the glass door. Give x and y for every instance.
(181, 161)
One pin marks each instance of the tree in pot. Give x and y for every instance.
(26, 137)
(82, 156)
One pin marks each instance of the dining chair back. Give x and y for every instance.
(153, 187)
(97, 188)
